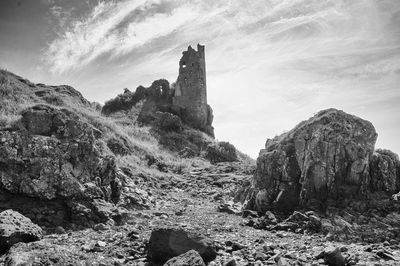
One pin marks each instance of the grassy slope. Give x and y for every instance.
(17, 94)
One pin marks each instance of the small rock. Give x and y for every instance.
(231, 262)
(59, 230)
(101, 227)
(190, 258)
(283, 262)
(180, 212)
(260, 256)
(101, 244)
(228, 207)
(332, 256)
(133, 235)
(88, 247)
(314, 223)
(237, 246)
(271, 217)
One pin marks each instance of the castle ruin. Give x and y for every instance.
(187, 99)
(190, 93)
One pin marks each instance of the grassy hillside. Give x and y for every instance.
(142, 149)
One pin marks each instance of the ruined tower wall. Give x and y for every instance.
(191, 88)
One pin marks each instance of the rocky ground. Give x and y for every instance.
(133, 184)
(199, 201)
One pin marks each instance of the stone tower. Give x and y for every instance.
(190, 94)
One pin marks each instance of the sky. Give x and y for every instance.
(270, 63)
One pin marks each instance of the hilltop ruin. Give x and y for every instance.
(186, 98)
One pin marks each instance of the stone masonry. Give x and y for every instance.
(190, 94)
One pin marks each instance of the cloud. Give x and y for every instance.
(114, 29)
(87, 39)
(279, 61)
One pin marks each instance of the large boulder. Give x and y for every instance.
(56, 155)
(324, 160)
(166, 243)
(15, 228)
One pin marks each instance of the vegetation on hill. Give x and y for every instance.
(169, 142)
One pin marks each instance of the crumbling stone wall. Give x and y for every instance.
(190, 95)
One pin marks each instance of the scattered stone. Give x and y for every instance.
(384, 254)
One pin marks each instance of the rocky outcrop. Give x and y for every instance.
(385, 171)
(54, 155)
(60, 95)
(326, 160)
(15, 228)
(166, 243)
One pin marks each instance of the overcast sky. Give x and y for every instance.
(270, 63)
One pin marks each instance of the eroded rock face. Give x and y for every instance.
(55, 155)
(14, 228)
(323, 160)
(385, 171)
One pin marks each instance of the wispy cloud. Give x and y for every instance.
(115, 29)
(89, 38)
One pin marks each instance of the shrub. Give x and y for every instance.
(168, 122)
(221, 152)
(121, 102)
